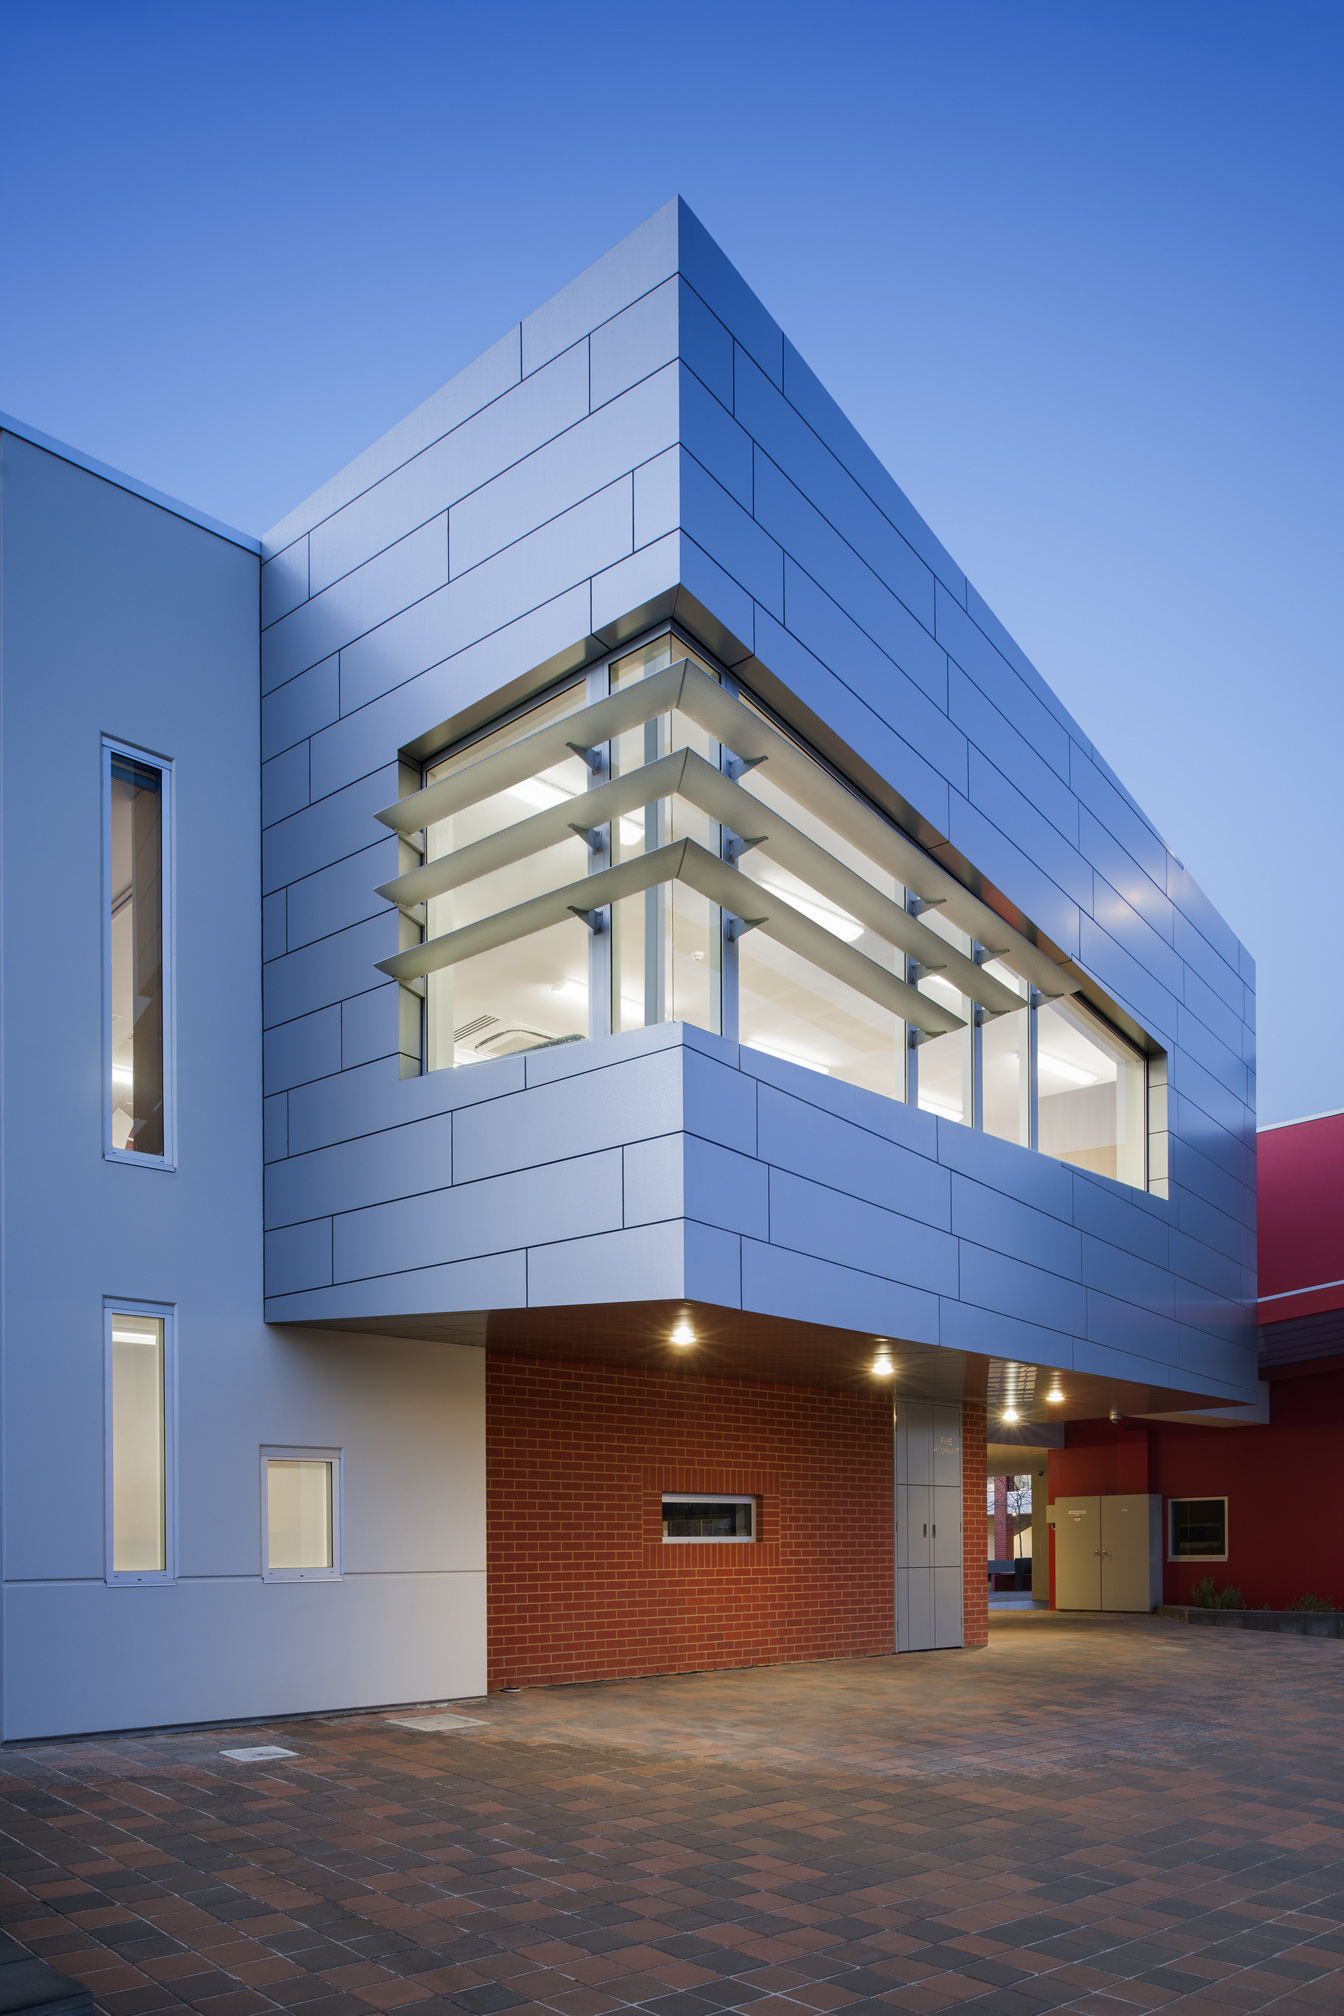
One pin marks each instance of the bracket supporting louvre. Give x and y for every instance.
(752, 740)
(682, 861)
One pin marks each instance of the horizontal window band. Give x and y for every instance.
(684, 687)
(687, 775)
(682, 861)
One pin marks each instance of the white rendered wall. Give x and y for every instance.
(121, 618)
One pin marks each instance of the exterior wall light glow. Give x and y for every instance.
(882, 1366)
(683, 1334)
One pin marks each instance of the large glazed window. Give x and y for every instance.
(136, 793)
(665, 941)
(648, 843)
(138, 1421)
(530, 991)
(1091, 1093)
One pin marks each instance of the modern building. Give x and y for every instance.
(1251, 1510)
(695, 1024)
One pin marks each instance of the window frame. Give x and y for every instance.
(1205, 1498)
(271, 1452)
(600, 985)
(113, 745)
(166, 1313)
(751, 1498)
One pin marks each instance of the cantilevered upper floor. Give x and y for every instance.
(680, 891)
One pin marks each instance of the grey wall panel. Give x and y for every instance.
(1118, 866)
(813, 1218)
(809, 398)
(996, 738)
(300, 709)
(807, 462)
(400, 1162)
(360, 601)
(336, 897)
(707, 430)
(284, 582)
(1033, 719)
(979, 838)
(988, 1217)
(818, 548)
(818, 622)
(502, 433)
(1013, 1287)
(564, 1202)
(778, 1282)
(479, 385)
(633, 344)
(586, 458)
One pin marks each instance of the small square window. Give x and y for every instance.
(715, 1516)
(1198, 1529)
(301, 1515)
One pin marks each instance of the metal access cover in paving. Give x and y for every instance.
(1092, 1815)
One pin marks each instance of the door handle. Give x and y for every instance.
(935, 1529)
(925, 1533)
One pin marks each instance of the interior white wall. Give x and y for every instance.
(122, 618)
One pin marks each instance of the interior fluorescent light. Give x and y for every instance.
(578, 988)
(135, 1337)
(1073, 1074)
(533, 791)
(632, 831)
(927, 1105)
(790, 1056)
(837, 922)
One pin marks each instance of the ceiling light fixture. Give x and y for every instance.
(1054, 1396)
(882, 1365)
(1010, 1414)
(683, 1334)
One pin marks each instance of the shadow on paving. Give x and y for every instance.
(1092, 1815)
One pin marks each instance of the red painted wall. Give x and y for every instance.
(1283, 1528)
(1300, 1236)
(581, 1586)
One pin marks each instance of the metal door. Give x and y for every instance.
(928, 1526)
(1127, 1536)
(1077, 1553)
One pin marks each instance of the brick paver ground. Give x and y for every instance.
(1113, 1815)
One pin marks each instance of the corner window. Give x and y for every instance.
(301, 1515)
(139, 1442)
(648, 843)
(1198, 1529)
(708, 1515)
(135, 956)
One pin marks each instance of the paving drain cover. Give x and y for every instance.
(436, 1721)
(258, 1751)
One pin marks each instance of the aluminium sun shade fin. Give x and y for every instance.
(688, 774)
(542, 750)
(750, 737)
(723, 799)
(682, 861)
(605, 802)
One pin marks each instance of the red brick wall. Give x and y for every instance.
(974, 1526)
(581, 1586)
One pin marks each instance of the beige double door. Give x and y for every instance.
(1108, 1552)
(928, 1526)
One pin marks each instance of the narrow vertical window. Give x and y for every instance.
(138, 1445)
(136, 964)
(300, 1514)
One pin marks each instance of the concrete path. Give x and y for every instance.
(1094, 1815)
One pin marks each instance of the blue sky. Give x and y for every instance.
(1074, 270)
